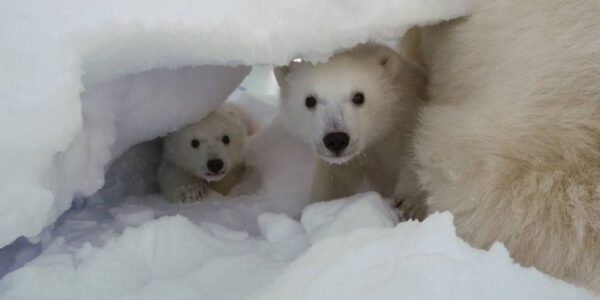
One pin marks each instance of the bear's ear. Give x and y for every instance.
(280, 73)
(388, 59)
(241, 116)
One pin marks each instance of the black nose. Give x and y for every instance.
(214, 165)
(336, 141)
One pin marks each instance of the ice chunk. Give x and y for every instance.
(276, 227)
(339, 217)
(285, 238)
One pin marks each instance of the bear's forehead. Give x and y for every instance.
(214, 124)
(334, 79)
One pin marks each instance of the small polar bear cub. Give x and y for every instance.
(358, 112)
(205, 156)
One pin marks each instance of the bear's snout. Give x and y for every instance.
(215, 165)
(337, 141)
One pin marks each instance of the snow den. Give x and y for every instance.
(88, 88)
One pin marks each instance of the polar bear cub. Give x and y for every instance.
(205, 156)
(358, 112)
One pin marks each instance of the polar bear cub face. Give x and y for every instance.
(210, 148)
(342, 106)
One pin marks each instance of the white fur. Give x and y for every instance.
(183, 175)
(379, 129)
(510, 142)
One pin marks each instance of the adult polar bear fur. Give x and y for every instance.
(357, 111)
(510, 141)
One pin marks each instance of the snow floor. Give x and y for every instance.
(126, 242)
(344, 249)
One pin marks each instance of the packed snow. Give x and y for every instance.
(336, 251)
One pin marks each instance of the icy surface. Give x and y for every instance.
(52, 51)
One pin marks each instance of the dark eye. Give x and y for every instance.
(358, 98)
(310, 101)
(225, 139)
(195, 143)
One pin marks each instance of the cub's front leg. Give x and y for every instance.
(178, 186)
(190, 192)
(408, 199)
(410, 207)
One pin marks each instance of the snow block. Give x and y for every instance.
(339, 217)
